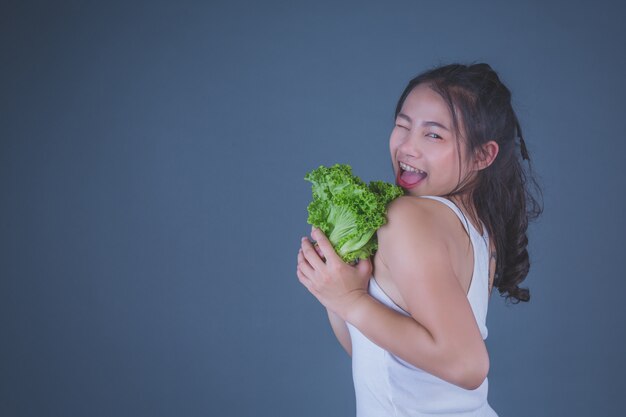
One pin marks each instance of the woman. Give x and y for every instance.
(413, 317)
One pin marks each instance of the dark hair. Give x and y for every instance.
(501, 193)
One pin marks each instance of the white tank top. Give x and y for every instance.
(387, 386)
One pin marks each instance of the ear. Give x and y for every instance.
(488, 154)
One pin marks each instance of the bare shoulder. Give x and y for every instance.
(417, 229)
(408, 214)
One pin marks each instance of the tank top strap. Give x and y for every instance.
(466, 223)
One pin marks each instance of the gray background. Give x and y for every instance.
(152, 159)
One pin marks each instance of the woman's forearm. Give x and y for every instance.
(409, 340)
(340, 329)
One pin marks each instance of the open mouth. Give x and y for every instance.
(409, 176)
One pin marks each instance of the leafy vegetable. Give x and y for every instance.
(348, 211)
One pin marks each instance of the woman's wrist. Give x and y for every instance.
(357, 309)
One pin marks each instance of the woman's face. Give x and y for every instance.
(423, 145)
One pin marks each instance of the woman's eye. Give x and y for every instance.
(433, 135)
(402, 127)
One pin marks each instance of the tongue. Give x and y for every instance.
(411, 178)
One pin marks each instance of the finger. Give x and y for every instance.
(303, 279)
(301, 256)
(316, 246)
(318, 250)
(310, 254)
(325, 246)
(304, 265)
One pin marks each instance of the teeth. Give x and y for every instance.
(410, 168)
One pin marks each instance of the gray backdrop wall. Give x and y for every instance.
(152, 159)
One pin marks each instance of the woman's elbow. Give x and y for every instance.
(472, 375)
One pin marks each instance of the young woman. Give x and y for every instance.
(413, 317)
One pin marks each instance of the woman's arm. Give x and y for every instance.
(341, 331)
(441, 335)
(464, 366)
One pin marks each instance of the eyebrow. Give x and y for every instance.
(426, 123)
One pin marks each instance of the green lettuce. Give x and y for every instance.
(349, 211)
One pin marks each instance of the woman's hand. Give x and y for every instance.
(336, 284)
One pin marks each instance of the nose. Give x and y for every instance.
(410, 146)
